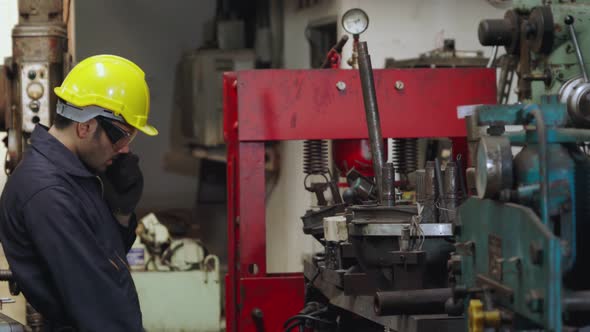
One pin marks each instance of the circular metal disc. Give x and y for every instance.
(355, 21)
(494, 166)
(541, 19)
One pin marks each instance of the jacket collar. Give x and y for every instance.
(47, 145)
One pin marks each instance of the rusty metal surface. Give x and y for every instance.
(495, 256)
(39, 42)
(5, 96)
(46, 43)
(306, 104)
(35, 11)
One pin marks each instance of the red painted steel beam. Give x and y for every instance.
(230, 133)
(277, 298)
(306, 104)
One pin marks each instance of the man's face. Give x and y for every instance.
(98, 151)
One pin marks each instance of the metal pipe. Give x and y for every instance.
(493, 57)
(412, 302)
(451, 190)
(543, 163)
(5, 275)
(577, 302)
(461, 178)
(388, 180)
(441, 194)
(372, 114)
(430, 213)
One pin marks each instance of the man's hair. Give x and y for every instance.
(61, 122)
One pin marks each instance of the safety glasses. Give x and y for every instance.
(118, 136)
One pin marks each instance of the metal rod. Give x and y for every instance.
(461, 178)
(412, 302)
(5, 275)
(493, 57)
(577, 302)
(543, 164)
(440, 189)
(388, 180)
(372, 114)
(569, 21)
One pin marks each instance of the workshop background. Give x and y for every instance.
(156, 34)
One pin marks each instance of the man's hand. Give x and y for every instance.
(123, 184)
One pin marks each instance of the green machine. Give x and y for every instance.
(522, 262)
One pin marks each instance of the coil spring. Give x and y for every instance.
(405, 155)
(315, 157)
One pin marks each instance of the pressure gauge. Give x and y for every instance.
(35, 90)
(355, 21)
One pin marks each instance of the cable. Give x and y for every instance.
(302, 319)
(296, 324)
(307, 317)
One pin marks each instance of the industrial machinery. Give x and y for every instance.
(377, 241)
(177, 273)
(521, 259)
(391, 254)
(39, 60)
(38, 63)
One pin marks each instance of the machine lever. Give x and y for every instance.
(569, 21)
(372, 114)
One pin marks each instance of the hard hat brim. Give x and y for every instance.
(148, 130)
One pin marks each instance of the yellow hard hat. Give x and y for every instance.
(113, 83)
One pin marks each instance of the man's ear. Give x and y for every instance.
(86, 129)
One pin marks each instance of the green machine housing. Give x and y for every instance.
(521, 248)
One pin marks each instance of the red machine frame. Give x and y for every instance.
(270, 105)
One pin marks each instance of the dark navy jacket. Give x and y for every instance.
(65, 249)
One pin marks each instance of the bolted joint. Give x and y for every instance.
(454, 265)
(257, 314)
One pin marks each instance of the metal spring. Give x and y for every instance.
(315, 157)
(405, 155)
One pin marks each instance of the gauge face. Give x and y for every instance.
(35, 90)
(355, 21)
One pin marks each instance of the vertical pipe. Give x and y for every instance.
(451, 190)
(543, 164)
(430, 212)
(441, 194)
(388, 190)
(372, 114)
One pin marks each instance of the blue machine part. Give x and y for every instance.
(509, 251)
(522, 246)
(522, 242)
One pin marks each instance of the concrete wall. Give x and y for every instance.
(399, 29)
(153, 34)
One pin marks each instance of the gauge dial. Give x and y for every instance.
(355, 21)
(35, 90)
